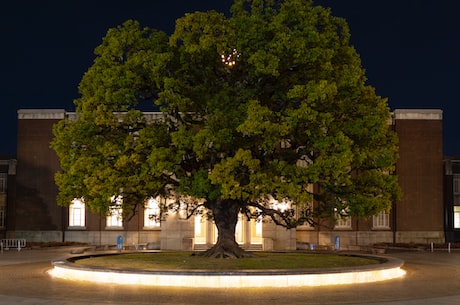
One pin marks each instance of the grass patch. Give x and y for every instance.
(187, 261)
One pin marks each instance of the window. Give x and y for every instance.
(3, 182)
(239, 229)
(381, 220)
(456, 189)
(200, 229)
(77, 213)
(205, 230)
(115, 217)
(2, 216)
(182, 210)
(305, 211)
(280, 206)
(248, 232)
(152, 214)
(256, 230)
(343, 222)
(457, 217)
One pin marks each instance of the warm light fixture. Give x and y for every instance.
(230, 59)
(224, 280)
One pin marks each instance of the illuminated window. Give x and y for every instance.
(256, 230)
(115, 216)
(280, 206)
(152, 214)
(200, 229)
(457, 217)
(240, 229)
(381, 220)
(248, 232)
(205, 230)
(182, 210)
(77, 213)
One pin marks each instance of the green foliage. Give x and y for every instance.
(263, 104)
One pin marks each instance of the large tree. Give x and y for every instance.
(267, 106)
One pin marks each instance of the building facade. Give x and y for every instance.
(419, 216)
(452, 198)
(7, 190)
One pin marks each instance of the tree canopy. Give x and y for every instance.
(268, 105)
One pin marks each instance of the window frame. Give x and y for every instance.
(150, 208)
(3, 182)
(343, 223)
(78, 204)
(381, 221)
(456, 217)
(114, 218)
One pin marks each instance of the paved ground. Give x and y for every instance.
(432, 278)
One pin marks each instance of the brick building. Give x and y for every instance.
(420, 174)
(7, 189)
(418, 217)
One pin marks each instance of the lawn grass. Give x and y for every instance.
(187, 261)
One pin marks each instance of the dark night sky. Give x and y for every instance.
(409, 48)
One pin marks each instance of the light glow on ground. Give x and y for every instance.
(64, 270)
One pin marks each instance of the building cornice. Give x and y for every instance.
(60, 114)
(11, 163)
(417, 114)
(41, 114)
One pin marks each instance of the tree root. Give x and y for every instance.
(226, 252)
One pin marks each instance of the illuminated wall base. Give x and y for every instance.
(202, 279)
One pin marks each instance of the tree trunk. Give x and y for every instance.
(225, 213)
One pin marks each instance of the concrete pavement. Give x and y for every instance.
(432, 278)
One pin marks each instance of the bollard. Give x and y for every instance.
(432, 247)
(119, 243)
(337, 243)
(19, 245)
(448, 247)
